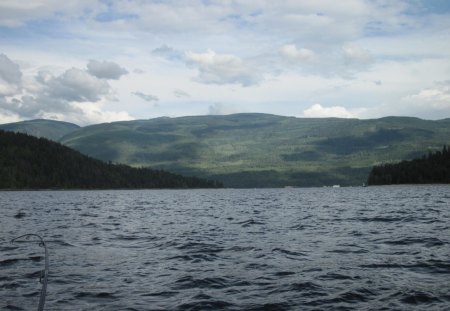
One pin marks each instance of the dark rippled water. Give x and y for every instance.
(375, 248)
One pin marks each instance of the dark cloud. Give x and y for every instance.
(56, 94)
(180, 93)
(146, 97)
(36, 106)
(75, 95)
(77, 85)
(167, 52)
(105, 70)
(9, 71)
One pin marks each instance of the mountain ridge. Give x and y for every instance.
(262, 150)
(44, 128)
(28, 162)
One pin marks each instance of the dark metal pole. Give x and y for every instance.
(44, 273)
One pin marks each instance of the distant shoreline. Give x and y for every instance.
(224, 188)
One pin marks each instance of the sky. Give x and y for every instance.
(95, 61)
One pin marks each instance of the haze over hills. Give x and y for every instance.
(261, 150)
(49, 129)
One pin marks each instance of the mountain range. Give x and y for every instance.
(253, 150)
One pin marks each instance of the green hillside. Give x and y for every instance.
(260, 150)
(49, 129)
(27, 162)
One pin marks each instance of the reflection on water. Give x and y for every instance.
(375, 248)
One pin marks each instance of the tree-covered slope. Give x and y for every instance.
(260, 150)
(30, 162)
(433, 168)
(49, 129)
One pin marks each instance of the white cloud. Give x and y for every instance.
(105, 70)
(8, 117)
(33, 106)
(339, 52)
(437, 97)
(93, 113)
(7, 89)
(173, 16)
(223, 69)
(292, 52)
(317, 111)
(222, 109)
(356, 54)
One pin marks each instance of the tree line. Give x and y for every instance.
(431, 168)
(27, 162)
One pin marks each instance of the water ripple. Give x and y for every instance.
(374, 248)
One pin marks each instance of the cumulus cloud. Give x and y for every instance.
(299, 18)
(292, 52)
(216, 68)
(105, 70)
(180, 93)
(95, 113)
(74, 95)
(43, 76)
(43, 106)
(77, 85)
(333, 40)
(335, 61)
(34, 106)
(146, 97)
(318, 111)
(436, 97)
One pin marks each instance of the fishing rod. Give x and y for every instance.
(44, 273)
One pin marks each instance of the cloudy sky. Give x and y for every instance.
(92, 61)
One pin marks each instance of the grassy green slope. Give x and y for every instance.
(49, 129)
(260, 150)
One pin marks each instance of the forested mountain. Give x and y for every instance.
(49, 129)
(29, 162)
(433, 168)
(261, 150)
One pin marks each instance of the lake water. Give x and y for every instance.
(374, 248)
